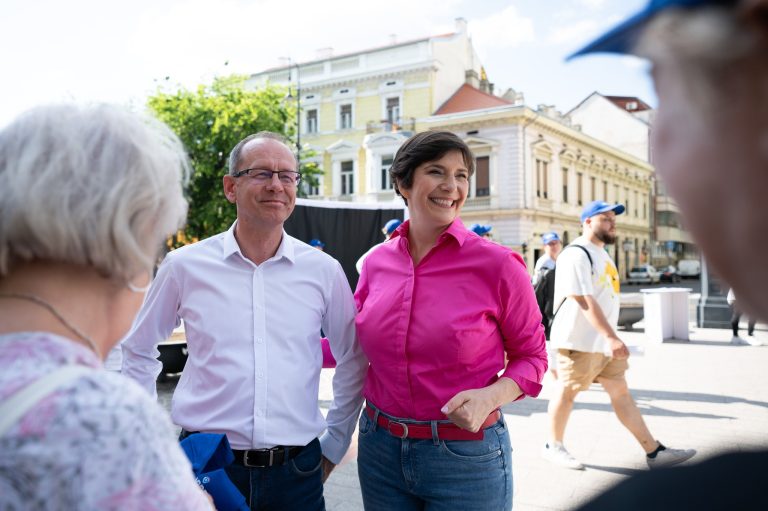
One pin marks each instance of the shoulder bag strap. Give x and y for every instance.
(14, 407)
(590, 267)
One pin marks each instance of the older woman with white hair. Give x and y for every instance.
(88, 196)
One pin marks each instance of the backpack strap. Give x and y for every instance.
(14, 407)
(591, 267)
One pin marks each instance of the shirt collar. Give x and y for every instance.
(456, 230)
(230, 246)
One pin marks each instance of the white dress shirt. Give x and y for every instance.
(253, 334)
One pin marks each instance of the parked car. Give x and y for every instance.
(645, 274)
(689, 268)
(669, 274)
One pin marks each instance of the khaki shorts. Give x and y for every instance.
(579, 369)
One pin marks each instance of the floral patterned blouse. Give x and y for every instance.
(98, 442)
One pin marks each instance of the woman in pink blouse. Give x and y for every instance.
(441, 312)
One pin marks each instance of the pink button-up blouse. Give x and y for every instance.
(445, 325)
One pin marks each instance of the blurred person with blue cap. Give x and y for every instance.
(388, 230)
(710, 141)
(588, 349)
(484, 231)
(316, 243)
(552, 247)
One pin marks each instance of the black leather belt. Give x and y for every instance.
(266, 457)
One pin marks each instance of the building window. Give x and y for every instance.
(347, 177)
(542, 184)
(312, 120)
(605, 191)
(312, 190)
(616, 197)
(482, 177)
(626, 194)
(579, 188)
(345, 117)
(592, 188)
(645, 210)
(636, 203)
(393, 110)
(386, 180)
(565, 185)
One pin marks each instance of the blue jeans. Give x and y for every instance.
(297, 484)
(435, 475)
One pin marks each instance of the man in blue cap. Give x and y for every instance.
(584, 334)
(318, 244)
(389, 228)
(710, 142)
(484, 231)
(552, 248)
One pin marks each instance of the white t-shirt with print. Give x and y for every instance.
(571, 329)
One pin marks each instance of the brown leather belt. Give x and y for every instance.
(423, 429)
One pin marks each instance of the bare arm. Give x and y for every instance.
(596, 318)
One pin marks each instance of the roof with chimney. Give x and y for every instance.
(468, 98)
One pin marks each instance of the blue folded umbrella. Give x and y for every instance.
(209, 454)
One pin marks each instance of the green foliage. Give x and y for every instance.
(210, 121)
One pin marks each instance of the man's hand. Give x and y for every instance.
(469, 408)
(618, 348)
(328, 467)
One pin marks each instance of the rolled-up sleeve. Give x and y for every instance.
(351, 367)
(155, 322)
(520, 321)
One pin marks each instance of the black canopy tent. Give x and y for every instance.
(348, 229)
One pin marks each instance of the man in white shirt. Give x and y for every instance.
(253, 300)
(584, 334)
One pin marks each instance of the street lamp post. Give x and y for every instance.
(627, 246)
(298, 105)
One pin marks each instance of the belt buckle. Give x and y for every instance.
(404, 426)
(256, 465)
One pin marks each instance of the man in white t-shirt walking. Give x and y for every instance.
(588, 349)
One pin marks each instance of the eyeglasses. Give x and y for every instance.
(261, 176)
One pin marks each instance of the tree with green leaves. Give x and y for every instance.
(210, 121)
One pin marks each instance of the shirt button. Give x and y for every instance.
(259, 413)
(259, 340)
(259, 375)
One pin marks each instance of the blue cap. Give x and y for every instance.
(390, 226)
(480, 229)
(316, 243)
(598, 206)
(549, 237)
(622, 38)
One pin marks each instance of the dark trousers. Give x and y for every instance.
(296, 484)
(735, 318)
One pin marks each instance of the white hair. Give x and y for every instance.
(90, 185)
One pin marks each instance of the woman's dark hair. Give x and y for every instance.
(422, 148)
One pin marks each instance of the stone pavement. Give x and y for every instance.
(705, 394)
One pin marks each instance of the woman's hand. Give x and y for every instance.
(469, 408)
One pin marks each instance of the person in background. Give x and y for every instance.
(388, 229)
(89, 195)
(439, 309)
(484, 231)
(253, 300)
(588, 348)
(736, 318)
(318, 244)
(710, 146)
(552, 247)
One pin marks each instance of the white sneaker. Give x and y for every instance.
(752, 341)
(559, 455)
(669, 457)
(738, 341)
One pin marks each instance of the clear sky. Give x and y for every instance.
(105, 50)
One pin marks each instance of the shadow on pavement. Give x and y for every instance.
(614, 470)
